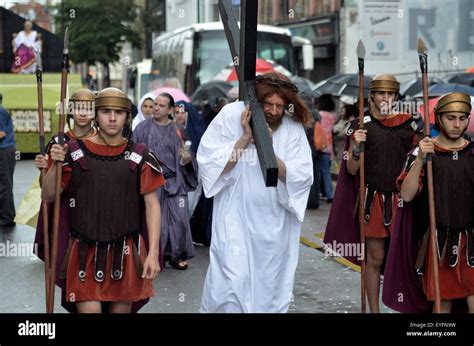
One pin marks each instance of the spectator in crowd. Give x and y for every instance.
(313, 200)
(347, 114)
(7, 167)
(328, 119)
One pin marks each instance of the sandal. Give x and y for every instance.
(179, 264)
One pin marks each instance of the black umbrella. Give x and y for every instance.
(444, 88)
(415, 86)
(460, 78)
(303, 84)
(211, 91)
(342, 85)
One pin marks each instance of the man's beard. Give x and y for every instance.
(273, 122)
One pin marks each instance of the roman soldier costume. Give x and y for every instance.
(81, 99)
(453, 180)
(107, 244)
(389, 139)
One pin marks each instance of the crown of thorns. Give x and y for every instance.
(277, 82)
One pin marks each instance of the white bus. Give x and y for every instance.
(138, 80)
(193, 55)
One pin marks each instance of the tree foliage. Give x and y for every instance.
(98, 28)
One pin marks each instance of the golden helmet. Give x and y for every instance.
(113, 98)
(81, 100)
(454, 102)
(385, 82)
(82, 95)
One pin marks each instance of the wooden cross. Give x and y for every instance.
(243, 47)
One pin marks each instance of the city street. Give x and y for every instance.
(322, 284)
(146, 104)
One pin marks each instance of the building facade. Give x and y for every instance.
(316, 20)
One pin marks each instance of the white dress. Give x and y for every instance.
(255, 229)
(30, 42)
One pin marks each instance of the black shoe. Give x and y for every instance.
(329, 200)
(179, 264)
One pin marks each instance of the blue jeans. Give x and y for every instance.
(313, 200)
(326, 175)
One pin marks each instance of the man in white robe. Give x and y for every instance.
(255, 229)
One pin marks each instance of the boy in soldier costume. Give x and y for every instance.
(81, 112)
(453, 180)
(111, 184)
(388, 137)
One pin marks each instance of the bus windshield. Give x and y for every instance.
(212, 52)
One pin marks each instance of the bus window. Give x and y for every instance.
(272, 47)
(181, 41)
(265, 53)
(212, 55)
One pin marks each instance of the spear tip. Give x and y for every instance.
(66, 39)
(360, 50)
(38, 58)
(421, 46)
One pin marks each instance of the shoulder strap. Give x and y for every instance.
(411, 157)
(136, 156)
(77, 154)
(55, 140)
(351, 127)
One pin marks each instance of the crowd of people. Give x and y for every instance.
(144, 187)
(138, 192)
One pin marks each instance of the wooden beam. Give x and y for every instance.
(246, 58)
(248, 43)
(263, 142)
(231, 29)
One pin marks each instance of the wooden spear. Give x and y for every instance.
(423, 55)
(44, 205)
(360, 58)
(57, 198)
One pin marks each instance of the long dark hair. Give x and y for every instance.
(286, 91)
(170, 99)
(351, 110)
(326, 103)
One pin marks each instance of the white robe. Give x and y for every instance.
(30, 42)
(140, 116)
(255, 229)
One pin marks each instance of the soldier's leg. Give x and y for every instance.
(374, 261)
(470, 304)
(89, 307)
(446, 306)
(120, 308)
